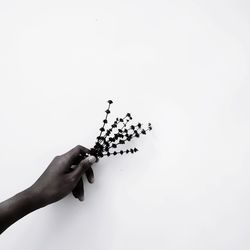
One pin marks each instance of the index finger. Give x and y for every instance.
(74, 153)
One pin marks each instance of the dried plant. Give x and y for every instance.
(119, 132)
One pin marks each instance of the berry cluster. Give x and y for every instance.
(118, 133)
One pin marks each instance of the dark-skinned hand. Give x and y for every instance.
(64, 175)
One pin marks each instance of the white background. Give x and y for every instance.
(182, 65)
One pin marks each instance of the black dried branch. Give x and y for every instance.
(119, 132)
(105, 121)
(121, 152)
(113, 126)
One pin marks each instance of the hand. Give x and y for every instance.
(78, 191)
(62, 175)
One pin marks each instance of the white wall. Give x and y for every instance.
(182, 65)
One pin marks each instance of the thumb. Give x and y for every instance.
(82, 167)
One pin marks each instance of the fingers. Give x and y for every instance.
(78, 191)
(74, 154)
(82, 167)
(90, 175)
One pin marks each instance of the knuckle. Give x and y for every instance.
(78, 148)
(60, 159)
(56, 158)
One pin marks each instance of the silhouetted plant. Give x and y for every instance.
(119, 133)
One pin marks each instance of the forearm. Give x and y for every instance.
(17, 207)
(57, 181)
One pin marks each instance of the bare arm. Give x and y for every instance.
(57, 181)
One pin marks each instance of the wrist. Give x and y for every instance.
(34, 199)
